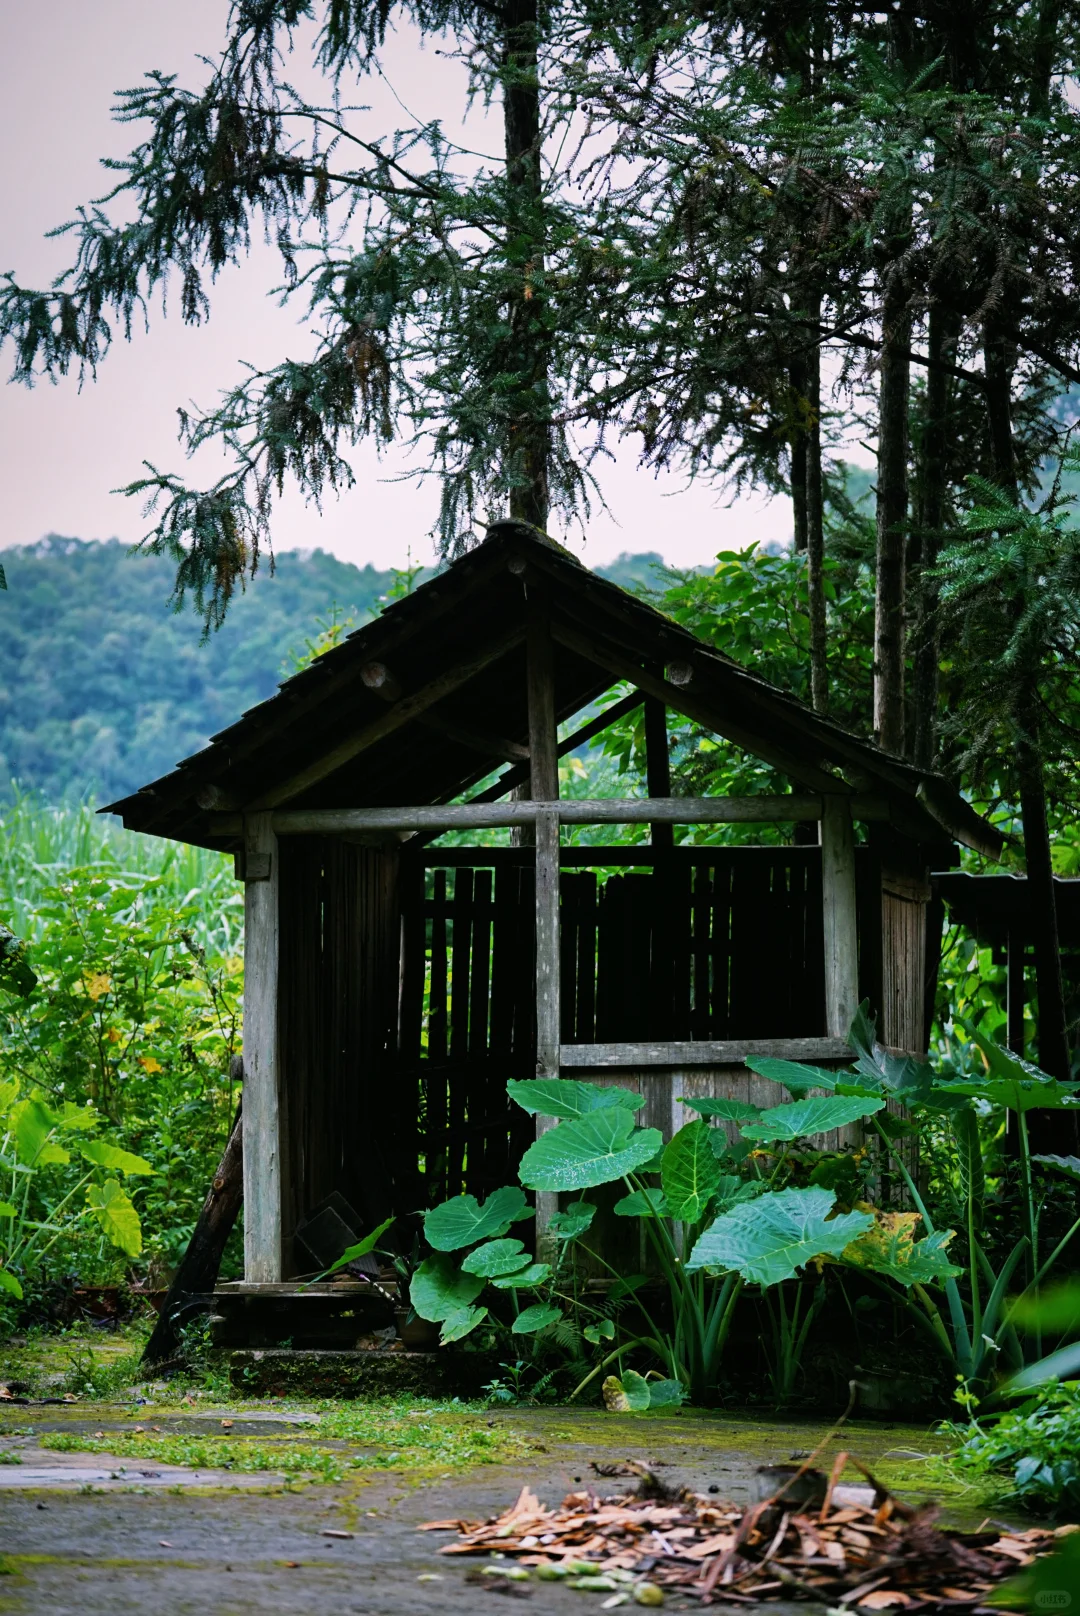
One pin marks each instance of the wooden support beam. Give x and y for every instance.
(685, 699)
(547, 944)
(544, 784)
(543, 730)
(381, 680)
(261, 1103)
(730, 1052)
(571, 811)
(838, 902)
(401, 712)
(658, 766)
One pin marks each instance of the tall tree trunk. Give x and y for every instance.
(892, 503)
(815, 530)
(797, 385)
(1053, 1050)
(529, 444)
(926, 538)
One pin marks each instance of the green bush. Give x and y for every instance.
(1033, 1452)
(135, 1013)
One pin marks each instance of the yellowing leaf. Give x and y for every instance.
(889, 1247)
(97, 984)
(149, 1064)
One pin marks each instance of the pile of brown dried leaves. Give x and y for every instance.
(804, 1541)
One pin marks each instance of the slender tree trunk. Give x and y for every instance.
(1053, 1050)
(797, 384)
(892, 504)
(926, 540)
(529, 443)
(815, 530)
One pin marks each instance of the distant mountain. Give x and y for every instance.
(103, 687)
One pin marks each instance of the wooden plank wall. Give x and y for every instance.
(345, 1125)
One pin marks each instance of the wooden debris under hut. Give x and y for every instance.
(806, 1541)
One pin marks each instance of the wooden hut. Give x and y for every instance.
(392, 985)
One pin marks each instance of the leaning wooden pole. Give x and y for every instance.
(199, 1266)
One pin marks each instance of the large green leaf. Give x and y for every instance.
(537, 1317)
(9, 1283)
(796, 1077)
(460, 1324)
(496, 1258)
(439, 1288)
(102, 1154)
(524, 1279)
(573, 1221)
(117, 1216)
(7, 1210)
(1055, 1310)
(784, 1123)
(462, 1221)
(636, 1391)
(1012, 1082)
(566, 1097)
(889, 1247)
(594, 1149)
(1067, 1166)
(901, 1076)
(732, 1191)
(724, 1110)
(770, 1239)
(690, 1172)
(965, 1130)
(650, 1203)
(31, 1124)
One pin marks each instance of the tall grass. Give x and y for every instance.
(41, 841)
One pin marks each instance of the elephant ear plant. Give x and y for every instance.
(710, 1230)
(976, 1333)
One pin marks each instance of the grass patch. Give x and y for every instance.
(391, 1436)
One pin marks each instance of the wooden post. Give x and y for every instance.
(262, 1142)
(658, 765)
(544, 779)
(838, 899)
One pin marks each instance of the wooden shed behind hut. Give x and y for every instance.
(392, 985)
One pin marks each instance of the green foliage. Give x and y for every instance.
(690, 1173)
(594, 1149)
(50, 1208)
(440, 1289)
(770, 1239)
(566, 1098)
(461, 1221)
(1032, 1453)
(113, 687)
(135, 1017)
(786, 1123)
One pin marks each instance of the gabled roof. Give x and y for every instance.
(419, 705)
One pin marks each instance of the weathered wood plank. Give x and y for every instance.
(547, 945)
(838, 899)
(707, 1053)
(261, 1098)
(586, 811)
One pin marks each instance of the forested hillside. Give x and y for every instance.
(103, 687)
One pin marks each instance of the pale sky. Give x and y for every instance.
(64, 451)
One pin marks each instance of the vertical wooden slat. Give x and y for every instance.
(701, 902)
(461, 915)
(262, 1134)
(839, 927)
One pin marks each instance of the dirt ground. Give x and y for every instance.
(83, 1533)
